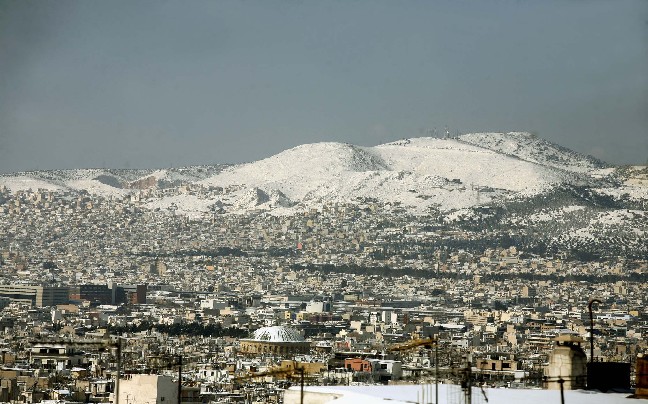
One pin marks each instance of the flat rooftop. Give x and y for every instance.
(449, 394)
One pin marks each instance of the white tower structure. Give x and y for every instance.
(567, 364)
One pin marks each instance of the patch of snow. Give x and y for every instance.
(96, 188)
(189, 205)
(636, 193)
(546, 215)
(528, 147)
(25, 183)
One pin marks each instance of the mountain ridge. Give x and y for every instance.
(528, 146)
(504, 186)
(420, 174)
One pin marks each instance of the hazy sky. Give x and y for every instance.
(168, 83)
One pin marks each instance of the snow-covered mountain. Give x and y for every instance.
(500, 184)
(417, 174)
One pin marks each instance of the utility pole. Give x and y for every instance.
(469, 385)
(301, 376)
(179, 379)
(589, 306)
(436, 372)
(466, 383)
(118, 370)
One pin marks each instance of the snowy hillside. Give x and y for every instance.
(105, 182)
(419, 174)
(529, 147)
(509, 186)
(452, 159)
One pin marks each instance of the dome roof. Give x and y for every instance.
(277, 334)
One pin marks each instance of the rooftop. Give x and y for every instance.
(277, 334)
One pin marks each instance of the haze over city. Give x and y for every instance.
(157, 84)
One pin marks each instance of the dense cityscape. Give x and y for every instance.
(243, 306)
(323, 202)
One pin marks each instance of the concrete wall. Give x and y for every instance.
(146, 389)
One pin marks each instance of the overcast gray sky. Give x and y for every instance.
(167, 83)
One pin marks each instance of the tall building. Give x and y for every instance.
(98, 294)
(529, 292)
(133, 294)
(38, 296)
